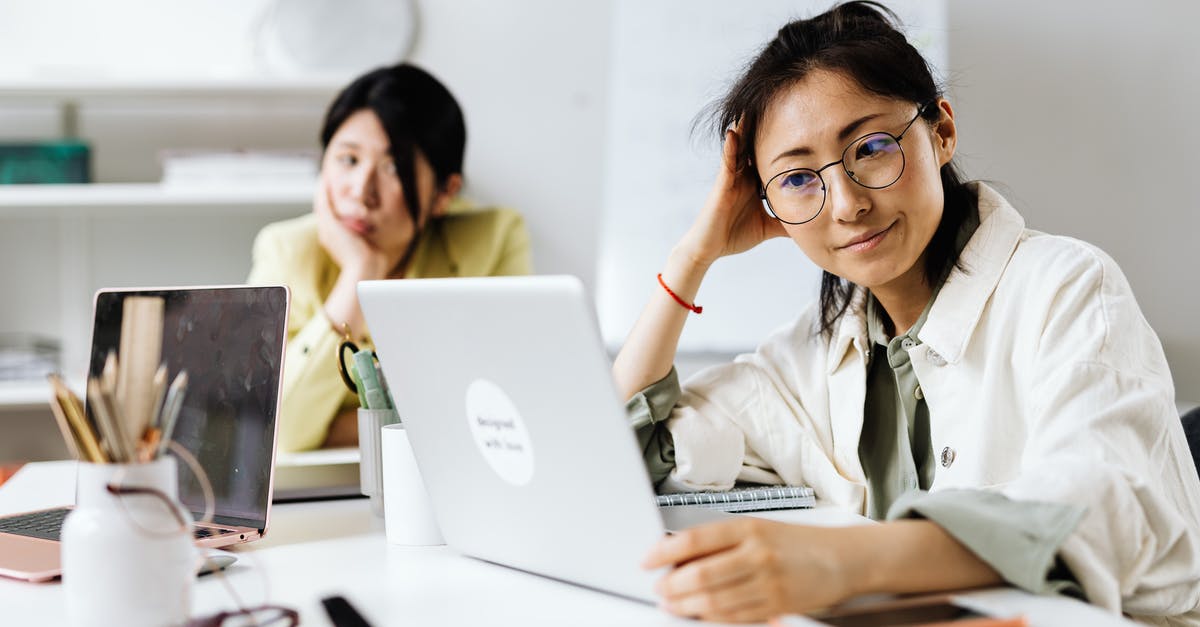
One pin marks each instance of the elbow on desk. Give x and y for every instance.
(300, 430)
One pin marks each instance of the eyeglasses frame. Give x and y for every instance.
(762, 187)
(217, 620)
(120, 490)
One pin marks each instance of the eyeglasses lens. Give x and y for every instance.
(874, 161)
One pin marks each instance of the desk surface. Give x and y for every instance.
(317, 549)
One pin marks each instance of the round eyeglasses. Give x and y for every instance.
(874, 161)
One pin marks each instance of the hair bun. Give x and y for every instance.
(865, 10)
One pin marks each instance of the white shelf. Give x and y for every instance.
(320, 457)
(79, 214)
(32, 200)
(83, 87)
(29, 394)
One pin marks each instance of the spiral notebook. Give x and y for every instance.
(744, 499)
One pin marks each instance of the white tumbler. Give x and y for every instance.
(370, 458)
(408, 514)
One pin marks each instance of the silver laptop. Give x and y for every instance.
(506, 392)
(230, 340)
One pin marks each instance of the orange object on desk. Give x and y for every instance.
(1018, 621)
(7, 471)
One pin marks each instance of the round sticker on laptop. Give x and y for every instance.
(499, 432)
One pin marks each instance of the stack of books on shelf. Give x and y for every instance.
(34, 163)
(27, 357)
(202, 168)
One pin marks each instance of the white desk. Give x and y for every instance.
(314, 550)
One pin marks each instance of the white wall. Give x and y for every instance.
(531, 76)
(128, 38)
(1086, 111)
(1083, 109)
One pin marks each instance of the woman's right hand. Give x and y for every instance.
(350, 251)
(357, 259)
(732, 220)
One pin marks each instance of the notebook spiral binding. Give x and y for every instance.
(744, 499)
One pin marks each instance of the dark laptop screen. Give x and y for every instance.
(230, 341)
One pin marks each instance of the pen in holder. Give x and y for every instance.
(363, 377)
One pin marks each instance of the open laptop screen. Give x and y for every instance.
(230, 341)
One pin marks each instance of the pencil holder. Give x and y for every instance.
(370, 462)
(127, 551)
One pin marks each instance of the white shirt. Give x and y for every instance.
(1044, 382)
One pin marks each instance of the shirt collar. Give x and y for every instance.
(877, 320)
(852, 327)
(876, 324)
(957, 305)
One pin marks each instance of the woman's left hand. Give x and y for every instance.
(752, 569)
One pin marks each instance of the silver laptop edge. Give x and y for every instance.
(506, 391)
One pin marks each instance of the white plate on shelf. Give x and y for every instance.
(324, 37)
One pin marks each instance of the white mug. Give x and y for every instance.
(128, 558)
(370, 458)
(408, 514)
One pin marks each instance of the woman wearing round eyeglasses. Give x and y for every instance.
(990, 391)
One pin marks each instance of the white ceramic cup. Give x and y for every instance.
(126, 558)
(370, 457)
(408, 514)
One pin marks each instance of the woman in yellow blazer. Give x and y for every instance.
(385, 208)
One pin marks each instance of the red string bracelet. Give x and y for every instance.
(684, 303)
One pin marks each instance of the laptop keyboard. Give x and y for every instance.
(201, 533)
(47, 525)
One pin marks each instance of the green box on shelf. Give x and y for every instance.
(64, 161)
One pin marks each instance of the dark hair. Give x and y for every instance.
(862, 41)
(417, 113)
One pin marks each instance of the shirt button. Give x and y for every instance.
(907, 343)
(918, 393)
(948, 456)
(934, 358)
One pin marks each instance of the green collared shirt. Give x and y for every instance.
(895, 448)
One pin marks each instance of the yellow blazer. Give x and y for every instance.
(490, 242)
